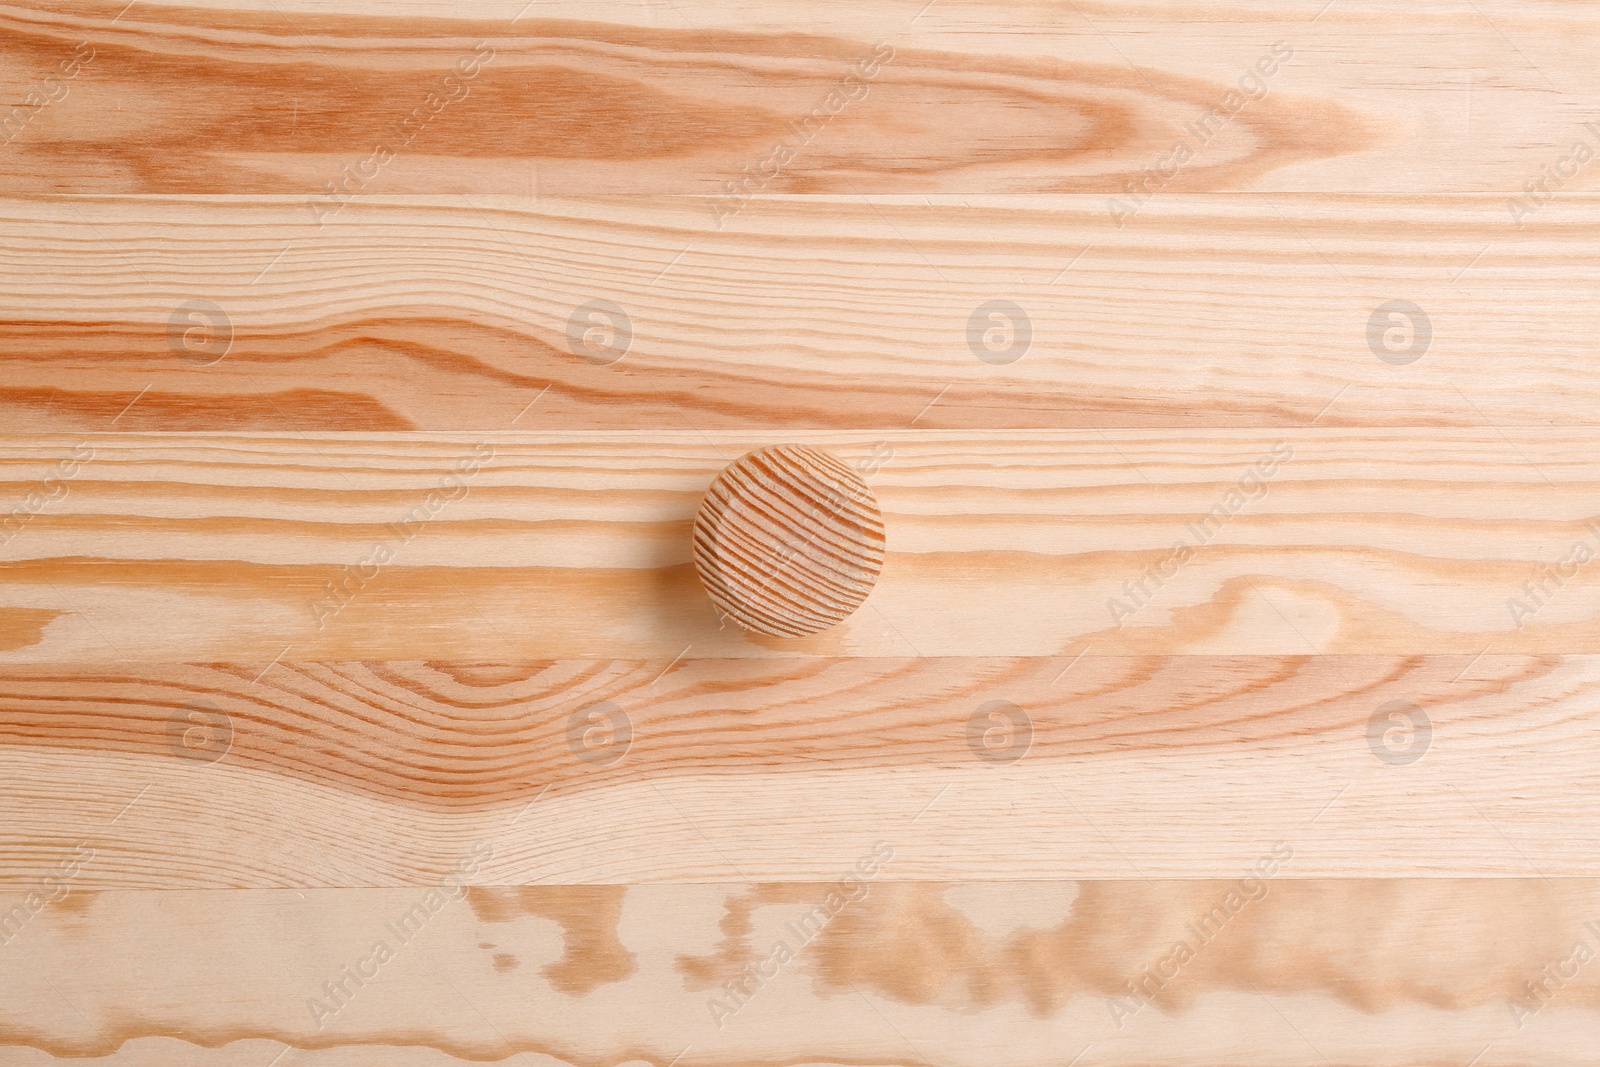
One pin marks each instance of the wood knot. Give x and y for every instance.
(788, 541)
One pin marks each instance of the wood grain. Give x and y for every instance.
(383, 774)
(519, 546)
(1224, 375)
(788, 541)
(1366, 972)
(458, 313)
(335, 104)
(1117, 98)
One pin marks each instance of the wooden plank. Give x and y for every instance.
(458, 313)
(157, 548)
(1121, 99)
(382, 774)
(1366, 972)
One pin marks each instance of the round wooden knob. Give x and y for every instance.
(788, 541)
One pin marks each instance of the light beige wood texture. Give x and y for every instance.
(1360, 971)
(788, 541)
(1226, 378)
(383, 774)
(518, 546)
(224, 96)
(452, 313)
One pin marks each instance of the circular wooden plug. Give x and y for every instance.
(788, 541)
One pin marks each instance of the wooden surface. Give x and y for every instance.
(1027, 96)
(1312, 971)
(1225, 376)
(454, 313)
(382, 774)
(1022, 543)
